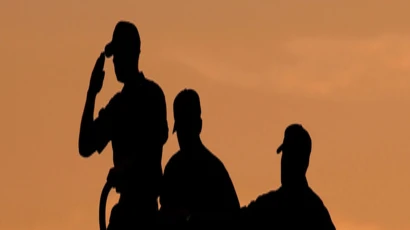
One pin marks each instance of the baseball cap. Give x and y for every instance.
(187, 107)
(125, 37)
(296, 137)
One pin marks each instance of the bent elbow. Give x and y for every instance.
(85, 154)
(85, 150)
(86, 146)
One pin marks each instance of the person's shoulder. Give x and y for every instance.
(313, 196)
(211, 156)
(114, 101)
(213, 161)
(268, 197)
(116, 98)
(174, 161)
(153, 86)
(320, 210)
(316, 202)
(265, 200)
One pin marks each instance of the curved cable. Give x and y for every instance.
(103, 203)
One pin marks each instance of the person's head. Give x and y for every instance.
(125, 47)
(295, 149)
(187, 117)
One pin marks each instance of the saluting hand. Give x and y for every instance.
(97, 76)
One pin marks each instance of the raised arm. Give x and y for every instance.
(88, 141)
(86, 145)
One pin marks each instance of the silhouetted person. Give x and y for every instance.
(135, 122)
(294, 205)
(195, 183)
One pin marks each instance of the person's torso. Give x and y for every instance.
(199, 190)
(130, 143)
(287, 209)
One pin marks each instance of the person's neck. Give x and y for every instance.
(193, 144)
(135, 77)
(300, 182)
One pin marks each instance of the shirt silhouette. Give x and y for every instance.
(135, 122)
(294, 205)
(196, 184)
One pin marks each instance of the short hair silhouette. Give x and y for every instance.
(125, 39)
(187, 110)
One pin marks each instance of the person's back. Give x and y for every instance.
(195, 181)
(199, 183)
(288, 208)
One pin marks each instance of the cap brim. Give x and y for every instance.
(279, 150)
(109, 50)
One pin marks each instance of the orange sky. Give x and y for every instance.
(341, 68)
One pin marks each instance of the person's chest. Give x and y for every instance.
(193, 175)
(130, 113)
(296, 209)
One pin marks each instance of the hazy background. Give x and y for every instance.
(341, 68)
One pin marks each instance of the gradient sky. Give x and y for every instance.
(341, 68)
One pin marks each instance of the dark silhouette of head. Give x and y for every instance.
(187, 117)
(125, 47)
(296, 149)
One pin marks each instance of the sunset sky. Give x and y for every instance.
(340, 68)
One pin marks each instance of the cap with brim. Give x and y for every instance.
(280, 148)
(125, 36)
(296, 135)
(109, 50)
